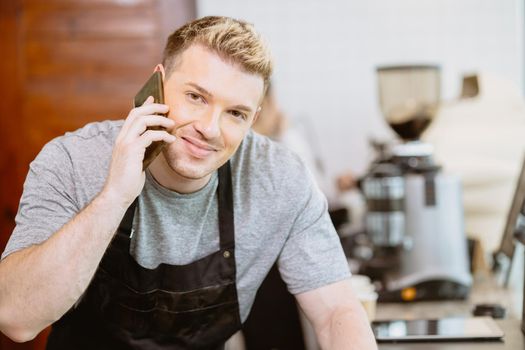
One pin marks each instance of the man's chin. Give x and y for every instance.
(191, 171)
(191, 168)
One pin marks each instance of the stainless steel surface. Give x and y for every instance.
(439, 248)
(385, 219)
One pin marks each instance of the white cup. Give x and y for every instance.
(365, 292)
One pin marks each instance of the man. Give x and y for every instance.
(170, 258)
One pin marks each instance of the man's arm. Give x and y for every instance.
(338, 318)
(40, 283)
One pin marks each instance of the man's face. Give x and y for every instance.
(213, 103)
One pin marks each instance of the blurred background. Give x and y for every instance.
(65, 63)
(326, 54)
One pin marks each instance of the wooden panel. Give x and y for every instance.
(11, 174)
(93, 59)
(60, 4)
(124, 22)
(9, 114)
(84, 63)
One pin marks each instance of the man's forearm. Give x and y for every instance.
(347, 329)
(41, 283)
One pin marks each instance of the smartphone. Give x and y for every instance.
(153, 87)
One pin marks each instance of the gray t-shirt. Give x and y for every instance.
(280, 214)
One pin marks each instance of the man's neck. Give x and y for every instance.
(168, 178)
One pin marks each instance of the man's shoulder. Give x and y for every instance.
(102, 130)
(87, 148)
(92, 138)
(261, 161)
(257, 150)
(95, 132)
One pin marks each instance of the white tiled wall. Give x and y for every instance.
(326, 53)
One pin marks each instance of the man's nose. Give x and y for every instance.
(209, 124)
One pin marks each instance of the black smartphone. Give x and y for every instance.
(153, 87)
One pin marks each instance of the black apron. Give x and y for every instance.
(127, 306)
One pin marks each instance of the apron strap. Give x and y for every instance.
(225, 194)
(127, 221)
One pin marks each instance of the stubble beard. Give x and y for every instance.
(184, 167)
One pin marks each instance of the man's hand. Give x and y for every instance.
(126, 176)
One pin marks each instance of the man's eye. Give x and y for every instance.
(194, 97)
(238, 114)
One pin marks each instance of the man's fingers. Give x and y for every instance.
(151, 136)
(140, 125)
(150, 108)
(145, 109)
(149, 100)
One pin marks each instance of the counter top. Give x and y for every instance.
(513, 339)
(484, 290)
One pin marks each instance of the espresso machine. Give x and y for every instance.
(414, 217)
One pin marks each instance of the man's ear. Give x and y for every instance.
(257, 113)
(160, 68)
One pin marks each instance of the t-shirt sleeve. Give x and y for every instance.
(48, 199)
(312, 256)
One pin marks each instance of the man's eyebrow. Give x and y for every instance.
(200, 89)
(209, 94)
(242, 108)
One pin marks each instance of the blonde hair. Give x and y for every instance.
(234, 40)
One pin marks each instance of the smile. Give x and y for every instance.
(196, 148)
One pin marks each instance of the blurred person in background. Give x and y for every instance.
(299, 138)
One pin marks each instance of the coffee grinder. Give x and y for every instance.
(414, 216)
